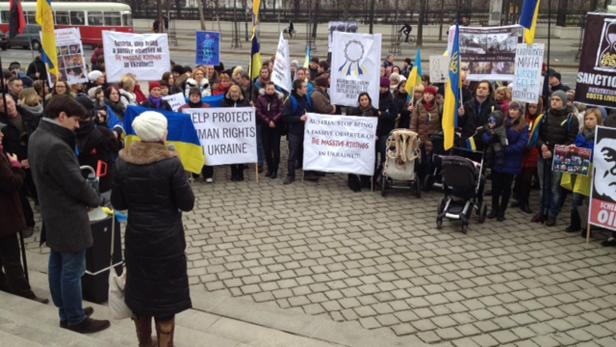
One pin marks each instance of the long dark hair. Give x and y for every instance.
(359, 97)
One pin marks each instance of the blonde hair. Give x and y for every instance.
(235, 87)
(127, 82)
(594, 112)
(30, 97)
(194, 72)
(506, 91)
(235, 75)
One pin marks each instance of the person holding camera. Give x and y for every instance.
(505, 140)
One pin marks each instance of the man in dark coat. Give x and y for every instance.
(149, 182)
(36, 69)
(476, 112)
(294, 114)
(64, 197)
(12, 278)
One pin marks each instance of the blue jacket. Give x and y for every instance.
(582, 142)
(514, 152)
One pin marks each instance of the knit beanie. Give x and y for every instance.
(431, 90)
(384, 82)
(150, 126)
(561, 95)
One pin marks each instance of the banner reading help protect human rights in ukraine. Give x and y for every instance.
(343, 144)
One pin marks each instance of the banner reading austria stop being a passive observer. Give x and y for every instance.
(343, 144)
(356, 67)
(144, 55)
(228, 135)
(596, 79)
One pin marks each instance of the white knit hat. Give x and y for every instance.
(94, 75)
(150, 126)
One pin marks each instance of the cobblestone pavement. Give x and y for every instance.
(324, 250)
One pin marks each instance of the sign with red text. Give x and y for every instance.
(603, 199)
(343, 144)
(144, 55)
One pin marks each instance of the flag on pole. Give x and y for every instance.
(415, 75)
(255, 58)
(308, 56)
(528, 19)
(17, 21)
(452, 93)
(44, 18)
(256, 6)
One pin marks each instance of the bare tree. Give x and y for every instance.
(200, 8)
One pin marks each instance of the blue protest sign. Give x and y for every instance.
(208, 48)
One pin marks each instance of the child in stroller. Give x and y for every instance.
(401, 159)
(463, 182)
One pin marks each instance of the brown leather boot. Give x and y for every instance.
(164, 332)
(144, 331)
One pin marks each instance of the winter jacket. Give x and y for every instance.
(97, 143)
(582, 141)
(141, 98)
(294, 109)
(401, 110)
(230, 103)
(163, 105)
(268, 109)
(480, 113)
(514, 151)
(370, 112)
(426, 123)
(321, 102)
(117, 107)
(128, 98)
(558, 128)
(64, 196)
(191, 105)
(531, 154)
(387, 117)
(35, 66)
(18, 130)
(149, 181)
(11, 213)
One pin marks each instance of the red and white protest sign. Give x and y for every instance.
(603, 200)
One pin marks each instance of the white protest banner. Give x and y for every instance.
(71, 63)
(228, 135)
(356, 67)
(488, 52)
(527, 81)
(439, 68)
(281, 75)
(175, 100)
(144, 55)
(343, 144)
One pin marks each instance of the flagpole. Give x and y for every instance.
(549, 30)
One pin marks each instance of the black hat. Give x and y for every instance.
(85, 101)
(557, 75)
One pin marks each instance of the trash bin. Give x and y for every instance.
(95, 282)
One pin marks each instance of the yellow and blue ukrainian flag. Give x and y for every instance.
(452, 93)
(255, 48)
(528, 19)
(44, 18)
(414, 76)
(181, 133)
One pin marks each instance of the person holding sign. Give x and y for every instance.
(559, 127)
(235, 98)
(294, 115)
(365, 109)
(580, 185)
(269, 114)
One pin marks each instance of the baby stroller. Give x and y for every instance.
(401, 159)
(463, 181)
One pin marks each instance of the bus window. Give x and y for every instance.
(30, 17)
(113, 19)
(4, 16)
(62, 17)
(95, 18)
(127, 20)
(77, 18)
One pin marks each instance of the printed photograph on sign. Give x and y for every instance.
(71, 62)
(606, 57)
(573, 160)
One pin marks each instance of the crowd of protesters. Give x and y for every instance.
(47, 133)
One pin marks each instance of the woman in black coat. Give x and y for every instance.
(235, 98)
(150, 183)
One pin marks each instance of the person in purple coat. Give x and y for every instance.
(269, 115)
(504, 170)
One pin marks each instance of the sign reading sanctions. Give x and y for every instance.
(603, 200)
(228, 135)
(343, 144)
(596, 79)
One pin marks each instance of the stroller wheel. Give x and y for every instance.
(439, 222)
(464, 228)
(383, 186)
(482, 213)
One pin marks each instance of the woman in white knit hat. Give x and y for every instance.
(150, 183)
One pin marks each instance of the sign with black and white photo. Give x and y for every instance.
(346, 27)
(596, 78)
(488, 52)
(228, 135)
(603, 199)
(343, 144)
